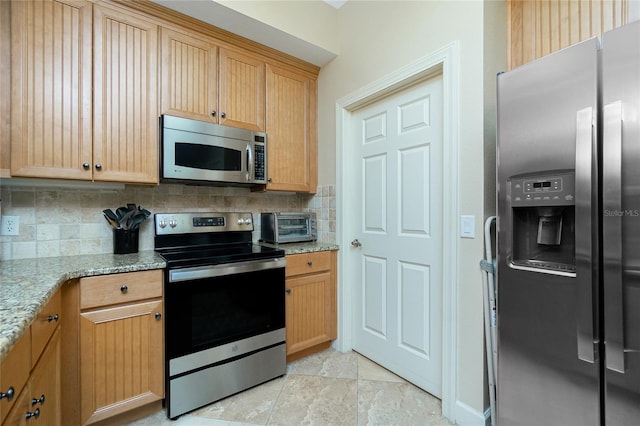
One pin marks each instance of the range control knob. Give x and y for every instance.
(173, 223)
(241, 221)
(248, 221)
(163, 223)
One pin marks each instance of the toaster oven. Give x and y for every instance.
(284, 227)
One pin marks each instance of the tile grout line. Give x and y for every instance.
(285, 378)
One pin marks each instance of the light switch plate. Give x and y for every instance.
(467, 226)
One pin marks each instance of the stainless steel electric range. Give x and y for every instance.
(224, 307)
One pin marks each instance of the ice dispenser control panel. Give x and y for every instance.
(549, 190)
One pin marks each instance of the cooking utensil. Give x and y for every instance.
(113, 222)
(125, 220)
(136, 220)
(120, 212)
(110, 214)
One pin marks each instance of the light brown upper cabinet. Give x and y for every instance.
(125, 125)
(292, 147)
(51, 89)
(204, 81)
(539, 27)
(59, 130)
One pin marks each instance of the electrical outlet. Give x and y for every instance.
(10, 225)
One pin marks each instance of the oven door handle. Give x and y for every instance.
(209, 271)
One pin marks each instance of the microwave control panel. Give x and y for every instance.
(259, 173)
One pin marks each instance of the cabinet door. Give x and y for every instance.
(14, 373)
(125, 103)
(308, 311)
(39, 401)
(189, 76)
(121, 366)
(51, 89)
(21, 406)
(292, 151)
(45, 384)
(537, 28)
(242, 91)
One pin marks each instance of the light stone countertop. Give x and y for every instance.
(298, 248)
(26, 285)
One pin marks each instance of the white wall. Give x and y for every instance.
(292, 17)
(377, 38)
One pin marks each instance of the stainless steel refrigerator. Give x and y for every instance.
(568, 279)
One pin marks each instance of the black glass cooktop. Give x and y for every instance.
(216, 255)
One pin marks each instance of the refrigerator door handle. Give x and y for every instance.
(612, 236)
(583, 236)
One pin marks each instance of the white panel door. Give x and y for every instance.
(396, 144)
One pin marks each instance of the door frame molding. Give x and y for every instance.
(445, 62)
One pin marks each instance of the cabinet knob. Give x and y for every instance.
(98, 166)
(35, 401)
(223, 115)
(288, 291)
(310, 263)
(8, 394)
(124, 288)
(55, 317)
(35, 414)
(158, 315)
(213, 113)
(86, 166)
(269, 180)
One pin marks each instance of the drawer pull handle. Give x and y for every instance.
(9, 394)
(124, 288)
(35, 401)
(288, 291)
(310, 263)
(55, 317)
(158, 315)
(35, 414)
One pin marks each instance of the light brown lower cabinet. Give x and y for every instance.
(39, 401)
(119, 355)
(32, 372)
(311, 317)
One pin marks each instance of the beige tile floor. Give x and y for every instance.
(328, 388)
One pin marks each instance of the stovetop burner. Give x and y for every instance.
(208, 238)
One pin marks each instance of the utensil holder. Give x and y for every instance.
(125, 241)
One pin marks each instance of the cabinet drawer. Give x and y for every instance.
(120, 288)
(308, 263)
(14, 372)
(44, 325)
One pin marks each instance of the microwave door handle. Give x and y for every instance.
(250, 164)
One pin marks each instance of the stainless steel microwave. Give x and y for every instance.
(282, 227)
(199, 152)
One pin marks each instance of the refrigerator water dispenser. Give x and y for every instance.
(543, 222)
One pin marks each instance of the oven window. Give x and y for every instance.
(294, 228)
(209, 312)
(207, 157)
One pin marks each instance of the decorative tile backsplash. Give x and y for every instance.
(69, 221)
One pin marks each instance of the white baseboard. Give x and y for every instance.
(467, 416)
